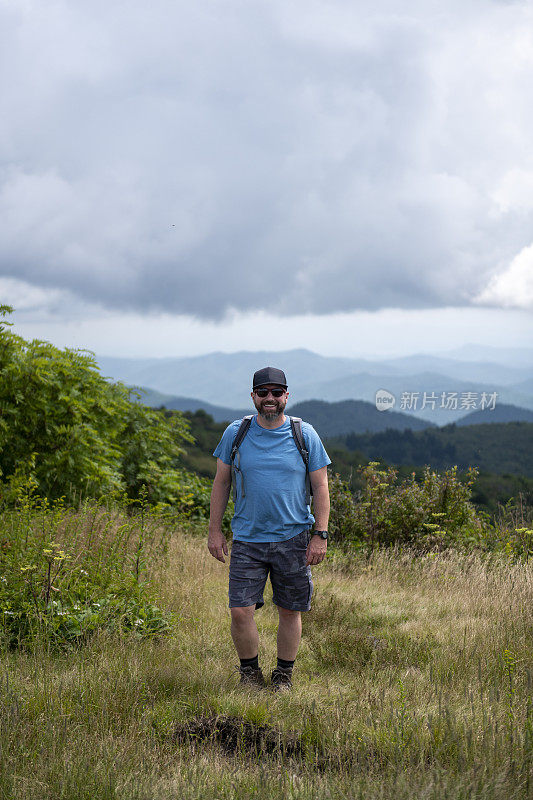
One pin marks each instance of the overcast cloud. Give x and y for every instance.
(286, 156)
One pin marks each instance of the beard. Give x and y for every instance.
(270, 413)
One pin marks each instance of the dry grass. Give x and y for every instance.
(413, 679)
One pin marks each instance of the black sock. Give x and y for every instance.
(286, 665)
(250, 662)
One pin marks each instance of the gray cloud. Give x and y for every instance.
(292, 157)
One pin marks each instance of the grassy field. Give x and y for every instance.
(413, 680)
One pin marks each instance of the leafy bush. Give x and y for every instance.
(434, 513)
(66, 574)
(513, 529)
(196, 498)
(75, 433)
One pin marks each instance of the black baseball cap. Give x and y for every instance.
(269, 375)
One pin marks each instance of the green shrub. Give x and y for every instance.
(196, 498)
(513, 529)
(434, 513)
(76, 433)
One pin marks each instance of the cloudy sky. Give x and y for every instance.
(354, 177)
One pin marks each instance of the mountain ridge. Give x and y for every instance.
(224, 379)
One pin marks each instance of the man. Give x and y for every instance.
(270, 525)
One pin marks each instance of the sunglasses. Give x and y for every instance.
(273, 392)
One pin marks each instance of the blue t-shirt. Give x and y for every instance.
(272, 507)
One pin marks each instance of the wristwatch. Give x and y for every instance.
(322, 534)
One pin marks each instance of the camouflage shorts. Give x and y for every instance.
(251, 563)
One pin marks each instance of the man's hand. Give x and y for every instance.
(217, 545)
(316, 550)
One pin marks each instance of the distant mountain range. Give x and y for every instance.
(219, 413)
(343, 417)
(521, 357)
(222, 381)
(501, 413)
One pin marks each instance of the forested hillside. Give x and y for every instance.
(472, 446)
(500, 447)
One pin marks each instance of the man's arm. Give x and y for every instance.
(216, 541)
(318, 546)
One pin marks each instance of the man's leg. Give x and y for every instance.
(247, 577)
(289, 633)
(244, 631)
(292, 587)
(246, 640)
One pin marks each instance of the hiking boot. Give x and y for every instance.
(280, 680)
(251, 677)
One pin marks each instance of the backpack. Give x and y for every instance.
(296, 429)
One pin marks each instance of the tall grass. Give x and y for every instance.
(413, 679)
(65, 573)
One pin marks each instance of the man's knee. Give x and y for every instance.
(242, 615)
(287, 613)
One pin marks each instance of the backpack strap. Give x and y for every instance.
(235, 456)
(296, 428)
